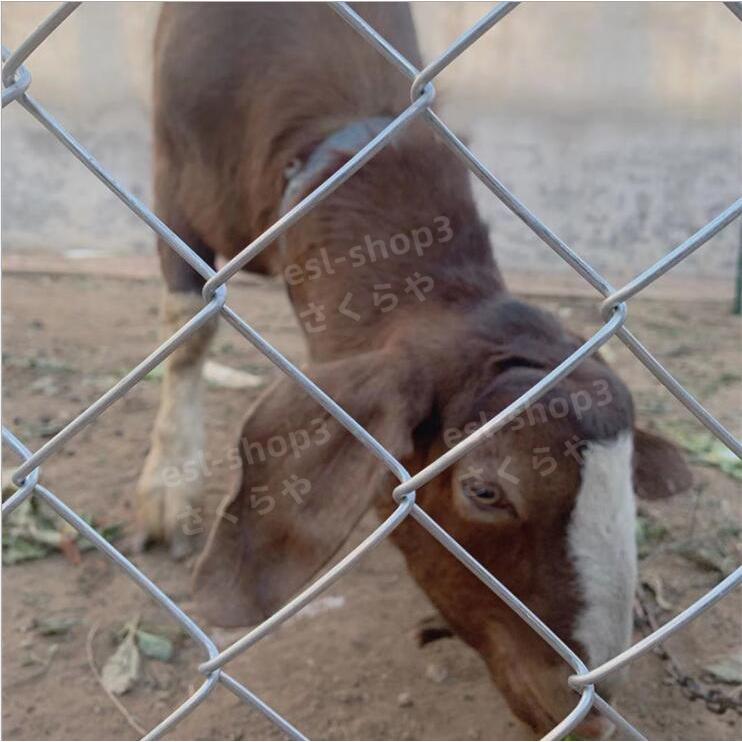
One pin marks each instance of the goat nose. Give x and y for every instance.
(595, 726)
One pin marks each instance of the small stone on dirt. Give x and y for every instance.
(222, 376)
(351, 697)
(726, 669)
(436, 672)
(404, 700)
(53, 626)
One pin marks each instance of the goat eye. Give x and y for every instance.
(489, 498)
(484, 494)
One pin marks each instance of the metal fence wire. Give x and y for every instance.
(16, 80)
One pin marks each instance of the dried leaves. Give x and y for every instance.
(33, 531)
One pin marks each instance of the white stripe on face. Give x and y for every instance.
(602, 544)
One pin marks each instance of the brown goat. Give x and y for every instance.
(410, 328)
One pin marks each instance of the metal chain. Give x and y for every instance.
(715, 700)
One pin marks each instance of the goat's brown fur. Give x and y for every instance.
(242, 91)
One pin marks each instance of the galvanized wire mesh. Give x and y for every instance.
(16, 82)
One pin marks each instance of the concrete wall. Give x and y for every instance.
(598, 56)
(618, 123)
(665, 56)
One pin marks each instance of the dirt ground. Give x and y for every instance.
(349, 666)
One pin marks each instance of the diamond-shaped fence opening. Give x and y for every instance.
(614, 308)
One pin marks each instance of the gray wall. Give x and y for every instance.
(618, 123)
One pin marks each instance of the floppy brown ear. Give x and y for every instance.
(305, 482)
(659, 467)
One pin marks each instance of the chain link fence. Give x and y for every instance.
(614, 309)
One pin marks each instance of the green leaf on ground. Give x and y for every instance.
(156, 374)
(16, 550)
(649, 533)
(33, 530)
(51, 626)
(154, 646)
(707, 449)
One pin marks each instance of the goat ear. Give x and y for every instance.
(659, 467)
(305, 482)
